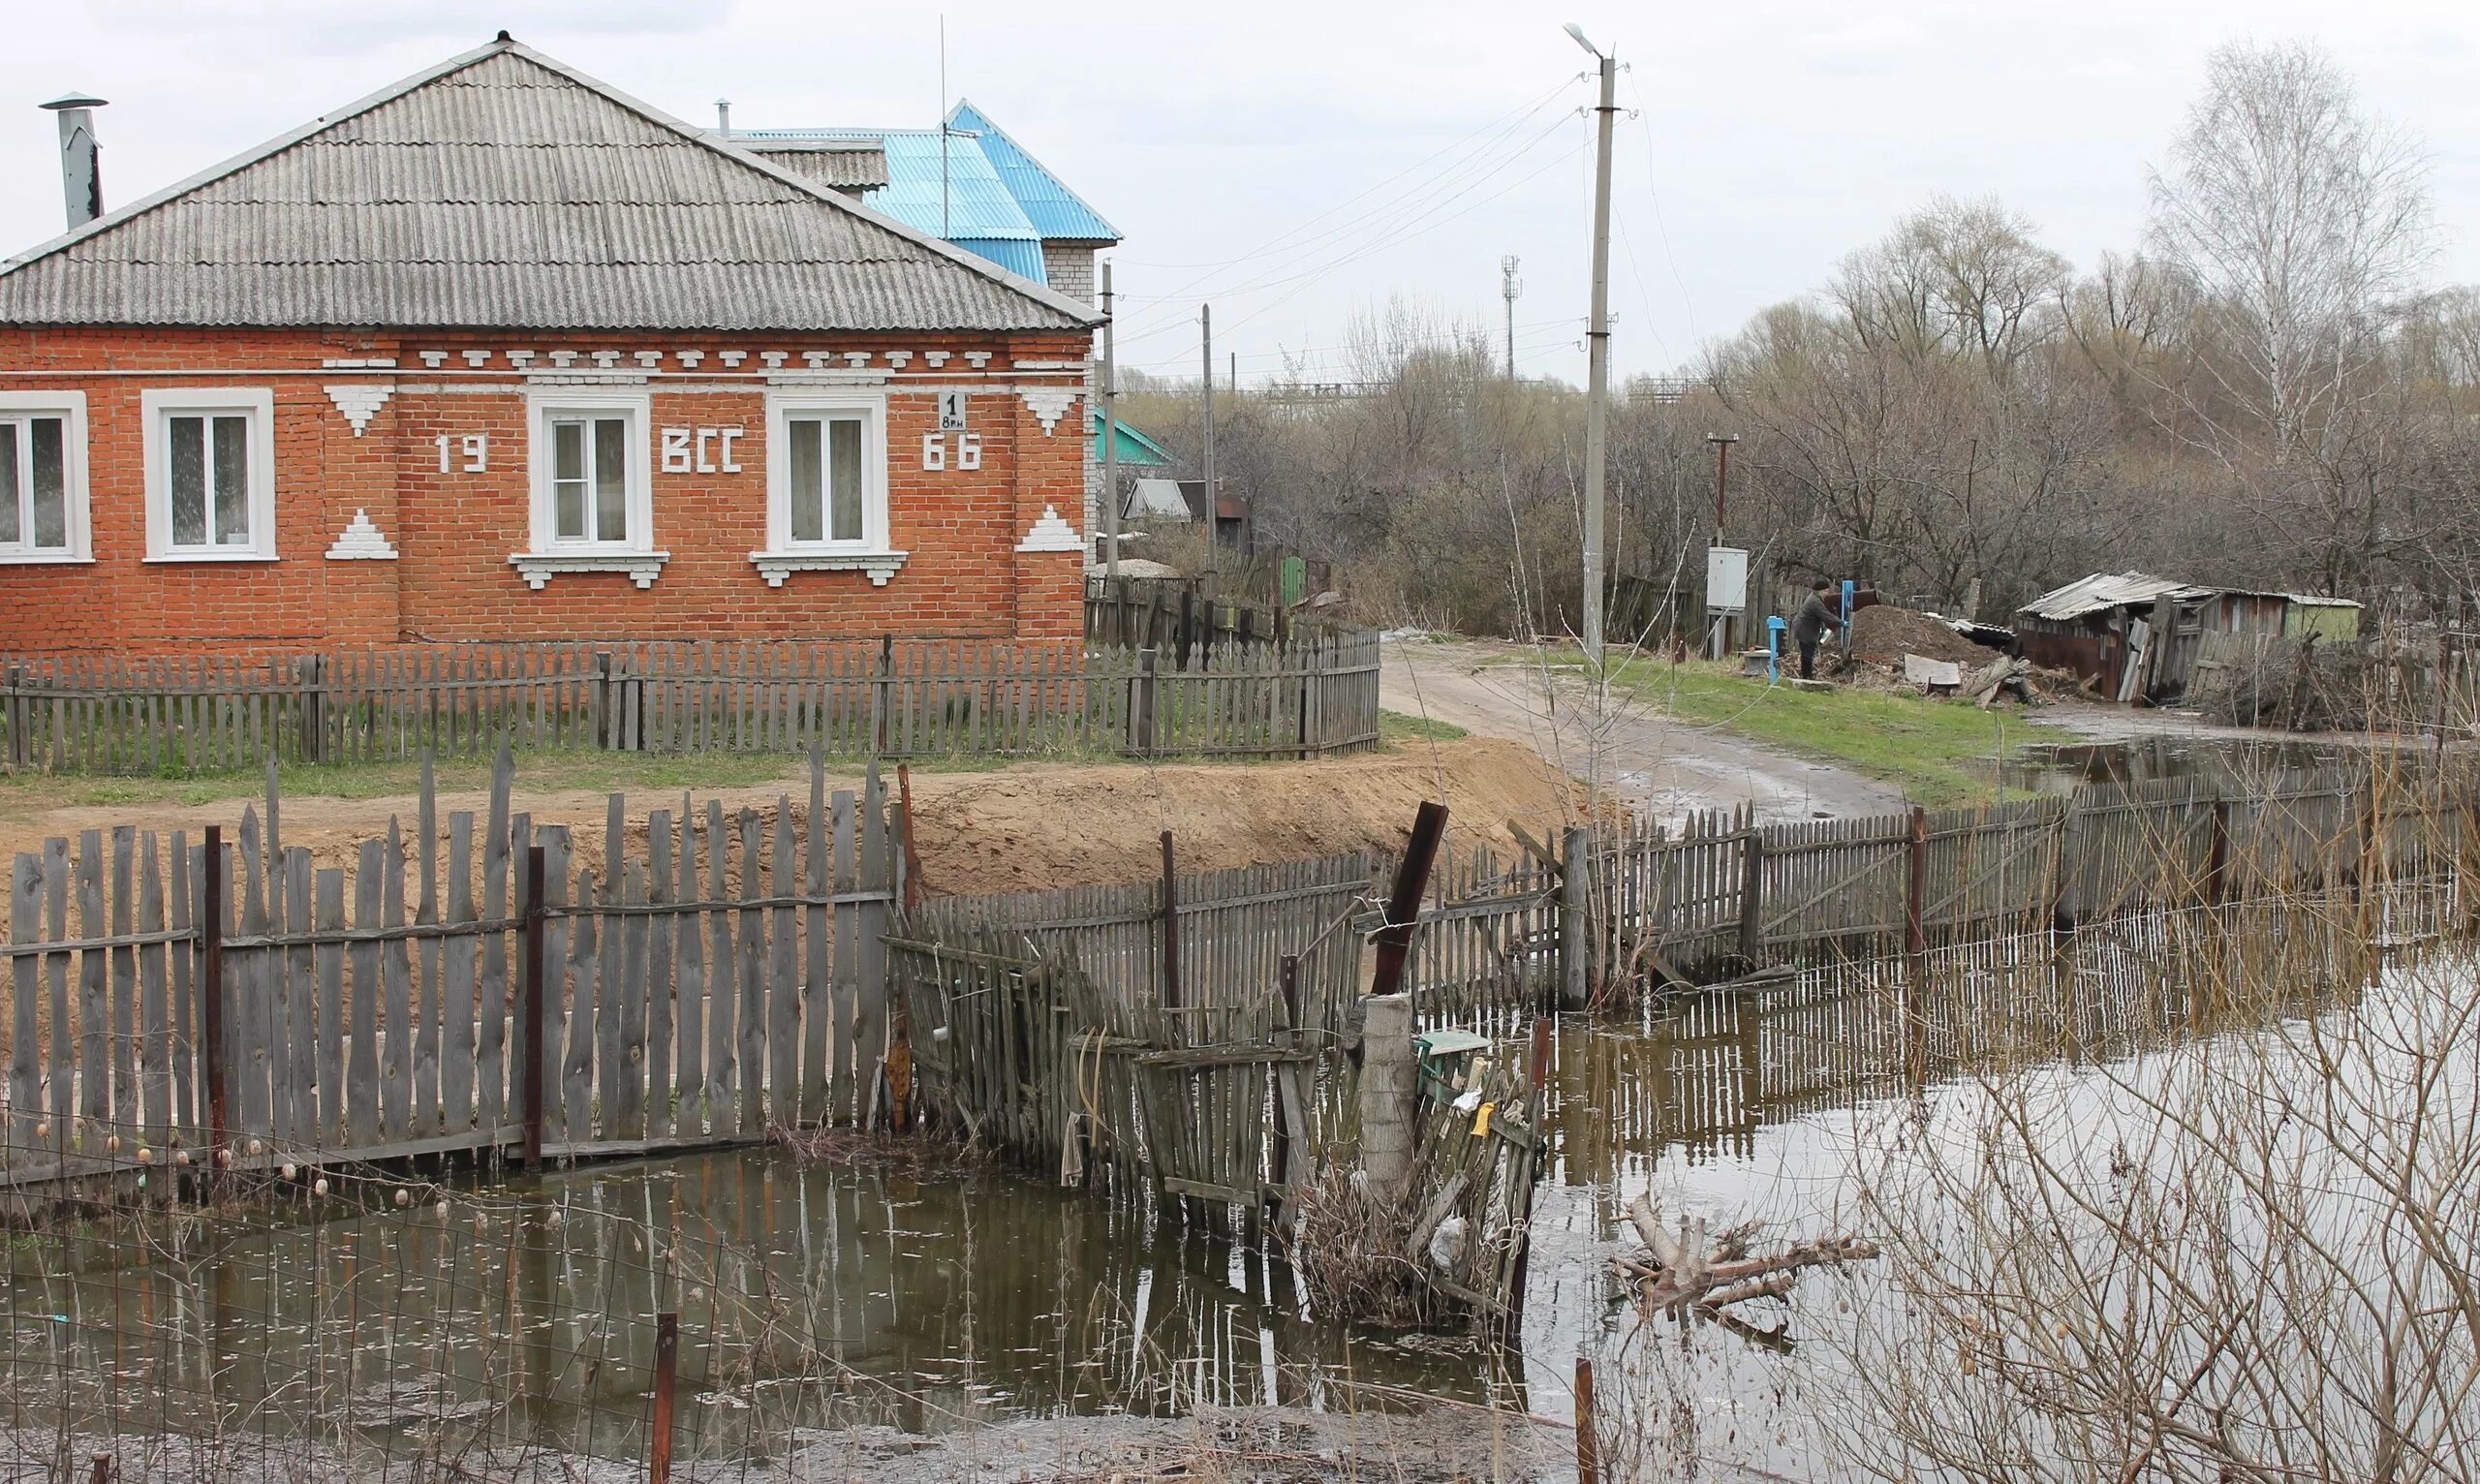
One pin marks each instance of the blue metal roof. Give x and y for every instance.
(995, 200)
(1057, 213)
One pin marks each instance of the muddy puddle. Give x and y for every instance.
(2063, 768)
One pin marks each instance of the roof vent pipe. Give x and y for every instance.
(723, 117)
(81, 179)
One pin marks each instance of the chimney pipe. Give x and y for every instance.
(81, 179)
(723, 117)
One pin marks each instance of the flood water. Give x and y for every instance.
(2063, 768)
(815, 1298)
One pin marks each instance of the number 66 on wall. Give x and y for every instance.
(934, 450)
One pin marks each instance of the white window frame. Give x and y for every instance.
(70, 407)
(873, 552)
(157, 407)
(634, 554)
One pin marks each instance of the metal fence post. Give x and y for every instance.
(667, 1385)
(1588, 1442)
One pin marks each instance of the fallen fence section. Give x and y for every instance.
(1313, 691)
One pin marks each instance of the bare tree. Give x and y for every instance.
(2298, 219)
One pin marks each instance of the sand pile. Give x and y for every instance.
(1884, 634)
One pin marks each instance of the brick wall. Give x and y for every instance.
(456, 531)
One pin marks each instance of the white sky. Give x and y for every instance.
(1298, 163)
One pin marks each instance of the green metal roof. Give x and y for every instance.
(1136, 450)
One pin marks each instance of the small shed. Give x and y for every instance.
(2139, 633)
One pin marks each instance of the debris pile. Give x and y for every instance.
(1689, 1270)
(1883, 634)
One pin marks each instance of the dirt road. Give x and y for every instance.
(1661, 765)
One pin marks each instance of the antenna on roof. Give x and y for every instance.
(943, 125)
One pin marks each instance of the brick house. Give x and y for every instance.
(499, 353)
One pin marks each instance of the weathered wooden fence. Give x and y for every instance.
(1313, 691)
(695, 981)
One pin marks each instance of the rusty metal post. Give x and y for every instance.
(103, 1474)
(667, 1381)
(211, 980)
(532, 1006)
(1171, 927)
(1588, 1445)
(1404, 903)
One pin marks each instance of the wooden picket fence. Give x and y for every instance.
(694, 984)
(1313, 691)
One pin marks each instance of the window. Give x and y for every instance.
(210, 478)
(825, 473)
(43, 477)
(593, 504)
(590, 479)
(826, 486)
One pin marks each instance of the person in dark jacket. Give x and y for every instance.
(1814, 618)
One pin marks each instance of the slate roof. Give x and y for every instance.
(846, 165)
(501, 188)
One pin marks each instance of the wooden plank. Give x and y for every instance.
(490, 1069)
(847, 966)
(297, 1029)
(624, 1098)
(587, 1018)
(612, 997)
(396, 1036)
(94, 1106)
(661, 959)
(816, 988)
(25, 1067)
(689, 996)
(870, 960)
(362, 1100)
(723, 999)
(783, 990)
(428, 1115)
(459, 1010)
(124, 982)
(749, 971)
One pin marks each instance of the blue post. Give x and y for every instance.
(1773, 627)
(1850, 591)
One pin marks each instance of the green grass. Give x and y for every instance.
(1397, 730)
(1938, 752)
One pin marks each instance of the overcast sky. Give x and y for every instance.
(1299, 164)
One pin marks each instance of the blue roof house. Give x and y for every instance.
(990, 197)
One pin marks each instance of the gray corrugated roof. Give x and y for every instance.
(2103, 591)
(846, 165)
(503, 189)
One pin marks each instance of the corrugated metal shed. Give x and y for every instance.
(2104, 591)
(1135, 450)
(1057, 213)
(503, 189)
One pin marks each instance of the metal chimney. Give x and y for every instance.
(81, 179)
(723, 117)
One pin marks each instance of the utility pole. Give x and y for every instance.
(1722, 443)
(1598, 358)
(1205, 322)
(1110, 440)
(1509, 286)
